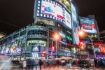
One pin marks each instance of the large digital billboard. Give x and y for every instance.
(50, 9)
(88, 25)
(66, 4)
(54, 10)
(75, 24)
(67, 19)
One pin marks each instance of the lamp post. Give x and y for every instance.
(83, 35)
(92, 45)
(93, 50)
(57, 38)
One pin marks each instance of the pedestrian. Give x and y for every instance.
(70, 63)
(36, 64)
(40, 63)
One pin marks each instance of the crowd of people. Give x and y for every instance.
(48, 63)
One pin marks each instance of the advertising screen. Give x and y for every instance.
(54, 10)
(51, 9)
(88, 25)
(75, 24)
(67, 19)
(66, 4)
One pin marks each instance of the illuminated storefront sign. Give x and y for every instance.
(37, 42)
(46, 22)
(88, 25)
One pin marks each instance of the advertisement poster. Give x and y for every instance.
(88, 25)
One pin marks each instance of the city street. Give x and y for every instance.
(5, 64)
(52, 35)
(45, 68)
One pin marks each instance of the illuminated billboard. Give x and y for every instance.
(54, 10)
(75, 24)
(50, 9)
(88, 25)
(67, 19)
(66, 4)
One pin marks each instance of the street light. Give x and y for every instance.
(82, 34)
(57, 38)
(81, 44)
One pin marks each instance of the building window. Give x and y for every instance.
(38, 32)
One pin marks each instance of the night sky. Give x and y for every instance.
(15, 14)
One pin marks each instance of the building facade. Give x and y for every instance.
(54, 29)
(89, 26)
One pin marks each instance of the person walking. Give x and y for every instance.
(40, 64)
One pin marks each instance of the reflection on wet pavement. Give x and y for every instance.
(6, 64)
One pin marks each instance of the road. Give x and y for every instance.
(8, 66)
(5, 64)
(56, 68)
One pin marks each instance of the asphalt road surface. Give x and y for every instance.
(5, 64)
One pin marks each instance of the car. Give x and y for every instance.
(84, 64)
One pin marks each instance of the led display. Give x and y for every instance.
(67, 19)
(88, 25)
(75, 24)
(56, 10)
(66, 4)
(52, 10)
